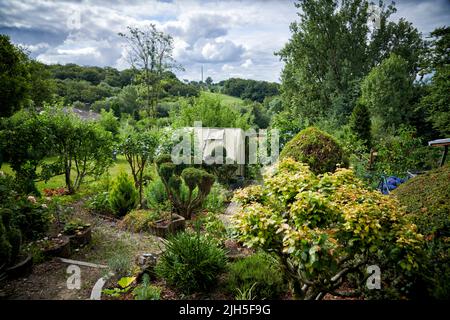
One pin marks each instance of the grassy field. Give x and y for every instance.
(58, 181)
(226, 99)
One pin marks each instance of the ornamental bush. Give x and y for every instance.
(176, 177)
(191, 262)
(319, 150)
(123, 197)
(325, 227)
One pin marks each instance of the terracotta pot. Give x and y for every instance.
(82, 238)
(59, 250)
(22, 268)
(163, 229)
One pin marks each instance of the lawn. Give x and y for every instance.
(225, 99)
(120, 164)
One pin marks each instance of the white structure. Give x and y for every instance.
(232, 140)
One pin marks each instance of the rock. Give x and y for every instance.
(147, 263)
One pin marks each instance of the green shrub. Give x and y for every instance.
(426, 198)
(319, 150)
(224, 170)
(403, 151)
(100, 203)
(191, 262)
(5, 246)
(7, 191)
(360, 124)
(10, 239)
(215, 201)
(146, 291)
(31, 217)
(260, 271)
(123, 197)
(121, 263)
(140, 220)
(212, 226)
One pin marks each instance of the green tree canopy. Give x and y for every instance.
(388, 89)
(436, 103)
(14, 77)
(212, 113)
(332, 49)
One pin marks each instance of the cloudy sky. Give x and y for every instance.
(227, 38)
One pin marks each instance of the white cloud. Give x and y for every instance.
(248, 63)
(192, 26)
(227, 38)
(227, 67)
(35, 47)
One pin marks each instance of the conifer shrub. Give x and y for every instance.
(360, 124)
(123, 197)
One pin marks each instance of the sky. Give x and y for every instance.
(228, 38)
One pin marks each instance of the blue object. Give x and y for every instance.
(390, 183)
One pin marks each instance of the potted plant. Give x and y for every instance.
(14, 263)
(170, 223)
(78, 232)
(58, 246)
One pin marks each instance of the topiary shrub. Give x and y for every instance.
(123, 197)
(319, 150)
(260, 272)
(198, 182)
(191, 262)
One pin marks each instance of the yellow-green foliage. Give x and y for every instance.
(139, 220)
(320, 151)
(316, 221)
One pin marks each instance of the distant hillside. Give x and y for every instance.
(249, 89)
(224, 98)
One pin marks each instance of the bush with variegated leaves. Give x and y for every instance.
(326, 228)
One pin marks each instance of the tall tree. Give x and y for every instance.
(436, 102)
(332, 49)
(43, 87)
(150, 51)
(388, 89)
(14, 77)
